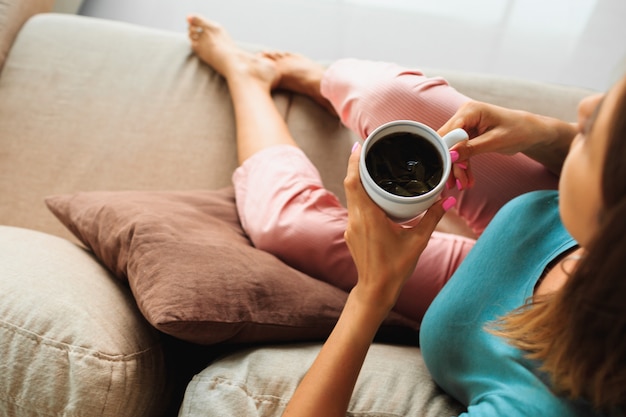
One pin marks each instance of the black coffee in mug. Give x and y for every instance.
(404, 164)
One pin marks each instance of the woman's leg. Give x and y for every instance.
(366, 94)
(281, 200)
(250, 79)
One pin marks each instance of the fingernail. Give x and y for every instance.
(354, 147)
(449, 203)
(454, 156)
(459, 185)
(462, 165)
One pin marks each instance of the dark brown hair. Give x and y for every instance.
(579, 332)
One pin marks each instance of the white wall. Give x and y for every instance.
(574, 42)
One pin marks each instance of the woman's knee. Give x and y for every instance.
(272, 238)
(307, 235)
(408, 95)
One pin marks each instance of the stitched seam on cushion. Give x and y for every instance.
(18, 402)
(268, 398)
(53, 344)
(262, 398)
(105, 403)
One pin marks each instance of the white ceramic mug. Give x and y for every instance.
(403, 208)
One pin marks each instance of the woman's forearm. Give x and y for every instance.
(506, 131)
(385, 254)
(328, 385)
(554, 146)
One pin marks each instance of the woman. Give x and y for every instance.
(562, 354)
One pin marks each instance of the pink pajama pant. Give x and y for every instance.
(286, 210)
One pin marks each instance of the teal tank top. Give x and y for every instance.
(490, 377)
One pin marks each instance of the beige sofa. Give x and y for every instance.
(141, 296)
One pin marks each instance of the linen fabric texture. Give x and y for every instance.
(259, 382)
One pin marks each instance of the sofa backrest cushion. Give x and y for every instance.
(89, 104)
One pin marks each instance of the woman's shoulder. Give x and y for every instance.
(531, 208)
(529, 225)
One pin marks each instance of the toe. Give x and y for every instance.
(201, 22)
(268, 54)
(196, 27)
(195, 20)
(195, 23)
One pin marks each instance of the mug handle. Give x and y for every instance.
(455, 136)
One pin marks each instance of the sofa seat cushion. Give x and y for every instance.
(71, 339)
(259, 383)
(193, 271)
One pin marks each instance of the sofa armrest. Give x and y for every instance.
(13, 14)
(73, 339)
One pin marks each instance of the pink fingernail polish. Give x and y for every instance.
(356, 145)
(454, 156)
(449, 203)
(459, 185)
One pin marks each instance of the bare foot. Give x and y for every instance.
(300, 74)
(293, 72)
(213, 45)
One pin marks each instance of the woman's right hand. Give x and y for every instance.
(493, 129)
(497, 129)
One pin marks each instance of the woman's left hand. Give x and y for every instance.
(385, 252)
